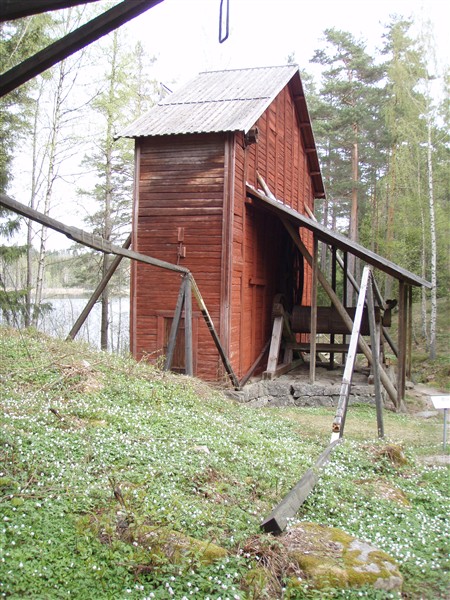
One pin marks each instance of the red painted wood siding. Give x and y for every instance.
(180, 183)
(258, 236)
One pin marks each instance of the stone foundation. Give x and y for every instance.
(294, 390)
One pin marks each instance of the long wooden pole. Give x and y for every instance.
(97, 293)
(313, 325)
(175, 325)
(341, 411)
(374, 343)
(98, 243)
(340, 308)
(70, 43)
(188, 345)
(354, 283)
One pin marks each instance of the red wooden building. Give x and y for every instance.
(195, 152)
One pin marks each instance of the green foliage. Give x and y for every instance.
(97, 451)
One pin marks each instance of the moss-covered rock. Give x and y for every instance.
(329, 557)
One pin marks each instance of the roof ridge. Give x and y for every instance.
(249, 69)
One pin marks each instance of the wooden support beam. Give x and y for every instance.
(277, 521)
(250, 372)
(341, 411)
(283, 368)
(98, 243)
(72, 42)
(97, 292)
(95, 242)
(374, 342)
(349, 276)
(17, 9)
(213, 332)
(275, 344)
(313, 326)
(409, 334)
(188, 345)
(175, 325)
(387, 383)
(402, 341)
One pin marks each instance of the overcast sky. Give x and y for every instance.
(183, 34)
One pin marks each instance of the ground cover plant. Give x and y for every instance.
(120, 481)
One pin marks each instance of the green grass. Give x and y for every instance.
(96, 451)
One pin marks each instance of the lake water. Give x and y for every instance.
(59, 321)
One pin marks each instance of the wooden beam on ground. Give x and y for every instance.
(97, 292)
(341, 411)
(72, 42)
(387, 383)
(278, 519)
(283, 368)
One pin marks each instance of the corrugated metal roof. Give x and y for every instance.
(214, 101)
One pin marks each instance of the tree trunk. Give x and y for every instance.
(353, 214)
(433, 317)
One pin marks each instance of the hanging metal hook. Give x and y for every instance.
(224, 23)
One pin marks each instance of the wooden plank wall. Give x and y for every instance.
(280, 158)
(180, 185)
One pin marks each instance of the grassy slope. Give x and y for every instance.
(78, 425)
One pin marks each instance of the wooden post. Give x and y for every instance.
(98, 243)
(333, 285)
(188, 354)
(409, 334)
(313, 328)
(97, 293)
(341, 412)
(401, 360)
(275, 343)
(374, 342)
(213, 332)
(175, 325)
(387, 383)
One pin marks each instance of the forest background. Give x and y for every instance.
(381, 123)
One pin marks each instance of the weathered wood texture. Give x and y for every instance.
(240, 256)
(262, 255)
(180, 185)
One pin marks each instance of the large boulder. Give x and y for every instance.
(329, 557)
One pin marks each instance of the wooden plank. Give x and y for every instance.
(313, 338)
(341, 411)
(374, 341)
(275, 344)
(388, 385)
(98, 243)
(278, 519)
(334, 238)
(189, 360)
(97, 293)
(70, 43)
(175, 325)
(283, 368)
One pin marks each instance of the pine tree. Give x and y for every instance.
(350, 105)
